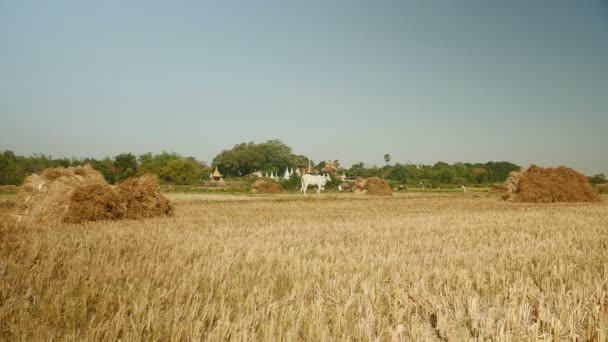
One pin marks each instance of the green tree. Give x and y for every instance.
(387, 159)
(356, 170)
(125, 165)
(181, 171)
(598, 179)
(245, 158)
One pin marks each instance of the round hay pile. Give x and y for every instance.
(372, 186)
(142, 199)
(81, 194)
(46, 200)
(264, 186)
(550, 185)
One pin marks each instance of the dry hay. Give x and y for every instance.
(81, 194)
(46, 200)
(498, 187)
(94, 202)
(265, 186)
(329, 167)
(9, 188)
(372, 186)
(142, 199)
(549, 185)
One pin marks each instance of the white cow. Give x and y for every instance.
(318, 181)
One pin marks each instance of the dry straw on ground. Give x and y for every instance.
(81, 194)
(372, 186)
(266, 186)
(420, 267)
(549, 185)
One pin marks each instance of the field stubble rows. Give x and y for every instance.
(422, 267)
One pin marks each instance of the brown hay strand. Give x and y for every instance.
(549, 185)
(142, 199)
(498, 187)
(52, 173)
(265, 186)
(372, 186)
(94, 202)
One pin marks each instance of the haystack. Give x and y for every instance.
(266, 187)
(81, 194)
(372, 186)
(47, 200)
(142, 199)
(540, 185)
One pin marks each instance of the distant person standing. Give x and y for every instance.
(464, 189)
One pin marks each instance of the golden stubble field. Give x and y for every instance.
(338, 267)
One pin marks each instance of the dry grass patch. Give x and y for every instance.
(404, 268)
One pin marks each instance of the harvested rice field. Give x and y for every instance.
(462, 266)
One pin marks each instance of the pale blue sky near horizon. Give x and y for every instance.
(425, 81)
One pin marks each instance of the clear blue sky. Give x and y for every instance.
(426, 81)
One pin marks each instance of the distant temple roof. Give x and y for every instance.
(216, 173)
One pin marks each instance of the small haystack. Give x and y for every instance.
(142, 199)
(372, 186)
(81, 194)
(265, 186)
(540, 185)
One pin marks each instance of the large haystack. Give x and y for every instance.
(540, 185)
(265, 186)
(81, 194)
(141, 197)
(47, 200)
(372, 186)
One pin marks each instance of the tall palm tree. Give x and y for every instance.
(387, 158)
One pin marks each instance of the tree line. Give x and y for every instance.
(171, 168)
(243, 159)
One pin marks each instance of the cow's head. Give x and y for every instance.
(327, 177)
